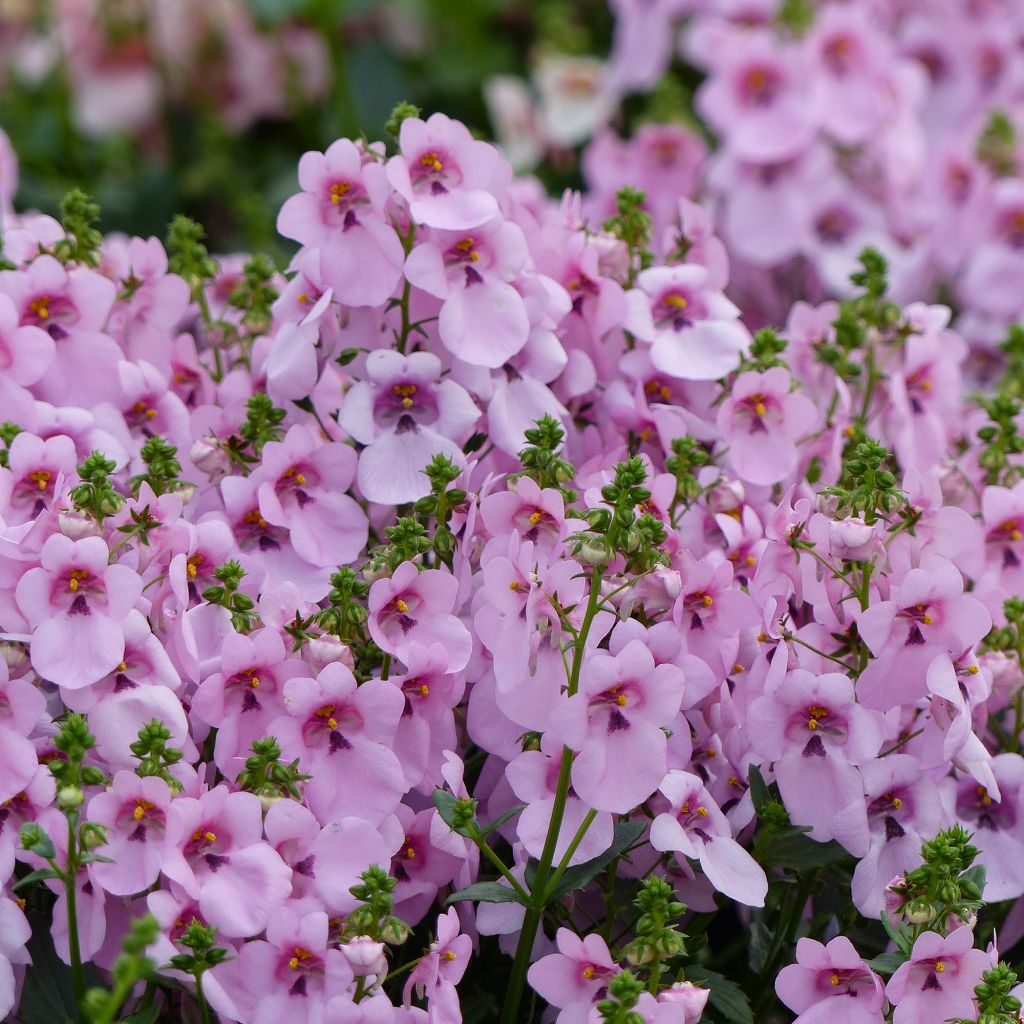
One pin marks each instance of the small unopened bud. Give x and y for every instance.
(920, 912)
(594, 553)
(208, 457)
(13, 654)
(365, 956)
(327, 649)
(394, 932)
(77, 525)
(69, 797)
(688, 997)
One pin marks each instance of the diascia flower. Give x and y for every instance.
(694, 329)
(695, 827)
(615, 720)
(938, 980)
(74, 602)
(761, 421)
(831, 983)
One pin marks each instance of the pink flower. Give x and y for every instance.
(214, 849)
(405, 416)
(571, 978)
(695, 330)
(816, 734)
(341, 211)
(437, 974)
(760, 96)
(447, 178)
(288, 976)
(696, 828)
(927, 614)
(302, 489)
(615, 721)
(483, 319)
(134, 810)
(74, 602)
(336, 728)
(831, 984)
(761, 420)
(938, 980)
(417, 606)
(14, 934)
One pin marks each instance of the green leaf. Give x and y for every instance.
(976, 875)
(445, 804)
(146, 1016)
(759, 794)
(95, 858)
(48, 997)
(887, 963)
(760, 943)
(578, 877)
(486, 892)
(726, 996)
(792, 849)
(35, 876)
(501, 819)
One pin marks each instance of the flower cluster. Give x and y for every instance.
(837, 125)
(481, 575)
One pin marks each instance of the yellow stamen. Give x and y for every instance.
(711, 752)
(410, 853)
(41, 307)
(536, 517)
(431, 161)
(702, 811)
(834, 979)
(141, 807)
(40, 478)
(76, 578)
(448, 955)
(760, 408)
(939, 966)
(621, 700)
(588, 973)
(515, 586)
(927, 620)
(739, 668)
(122, 666)
(675, 301)
(339, 189)
(750, 560)
(210, 837)
(298, 956)
(254, 681)
(401, 606)
(974, 670)
(424, 689)
(896, 803)
(192, 566)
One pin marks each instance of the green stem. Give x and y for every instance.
(204, 1009)
(539, 890)
(481, 842)
(70, 888)
(817, 650)
(563, 864)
